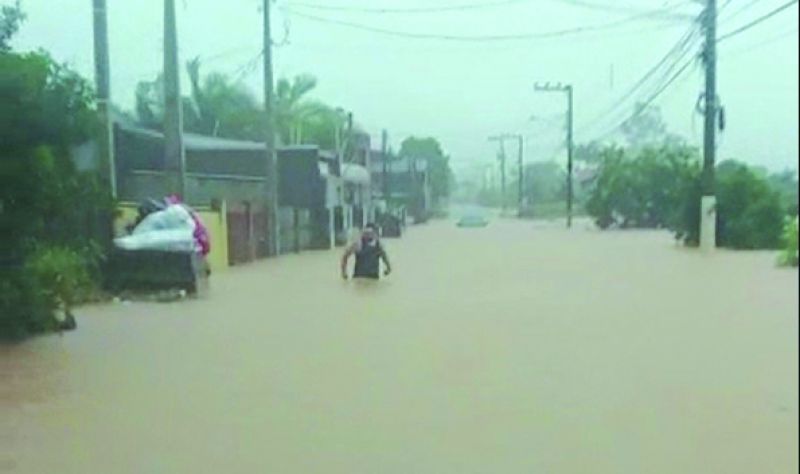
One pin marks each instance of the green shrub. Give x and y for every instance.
(644, 189)
(23, 308)
(63, 276)
(789, 252)
(750, 213)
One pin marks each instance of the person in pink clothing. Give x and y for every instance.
(201, 236)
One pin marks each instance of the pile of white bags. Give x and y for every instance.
(170, 230)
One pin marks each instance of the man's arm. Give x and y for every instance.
(347, 253)
(385, 258)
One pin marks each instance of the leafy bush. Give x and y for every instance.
(63, 275)
(643, 189)
(23, 308)
(45, 203)
(789, 253)
(750, 213)
(660, 188)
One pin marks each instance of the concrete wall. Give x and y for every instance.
(201, 190)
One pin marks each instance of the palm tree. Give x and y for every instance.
(292, 110)
(223, 108)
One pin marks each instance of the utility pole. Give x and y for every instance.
(502, 158)
(174, 155)
(273, 232)
(708, 213)
(520, 176)
(567, 89)
(385, 157)
(105, 137)
(348, 157)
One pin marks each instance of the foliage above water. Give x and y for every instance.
(660, 188)
(430, 150)
(44, 201)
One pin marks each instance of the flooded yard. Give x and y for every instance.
(518, 348)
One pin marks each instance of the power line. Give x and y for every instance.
(760, 44)
(644, 105)
(757, 21)
(667, 12)
(363, 9)
(678, 52)
(248, 67)
(486, 38)
(739, 10)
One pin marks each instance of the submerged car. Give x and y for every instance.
(472, 221)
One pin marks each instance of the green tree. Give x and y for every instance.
(646, 127)
(325, 128)
(429, 149)
(589, 153)
(223, 108)
(293, 110)
(11, 17)
(644, 188)
(750, 215)
(785, 183)
(545, 182)
(47, 109)
(149, 107)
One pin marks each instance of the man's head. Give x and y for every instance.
(370, 232)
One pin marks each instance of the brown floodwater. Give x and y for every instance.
(518, 348)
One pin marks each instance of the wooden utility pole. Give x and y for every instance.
(272, 182)
(567, 89)
(385, 157)
(708, 216)
(502, 158)
(520, 176)
(570, 149)
(174, 155)
(105, 137)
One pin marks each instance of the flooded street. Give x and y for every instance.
(519, 348)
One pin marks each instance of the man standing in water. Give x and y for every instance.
(369, 252)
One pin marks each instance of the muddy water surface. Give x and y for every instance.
(519, 348)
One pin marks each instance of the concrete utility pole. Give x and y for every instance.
(105, 137)
(174, 155)
(520, 176)
(501, 157)
(273, 231)
(561, 88)
(502, 138)
(385, 157)
(708, 202)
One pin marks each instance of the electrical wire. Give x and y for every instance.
(644, 105)
(486, 38)
(677, 52)
(760, 44)
(247, 68)
(739, 10)
(757, 21)
(384, 10)
(667, 12)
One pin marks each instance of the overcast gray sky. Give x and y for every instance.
(461, 92)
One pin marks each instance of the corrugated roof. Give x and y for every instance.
(195, 142)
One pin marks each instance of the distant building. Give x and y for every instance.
(402, 182)
(234, 172)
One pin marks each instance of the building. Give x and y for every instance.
(401, 182)
(233, 173)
